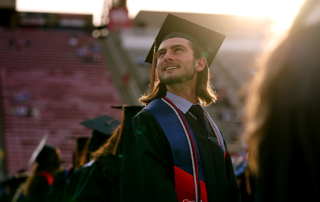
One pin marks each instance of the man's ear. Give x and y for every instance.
(200, 64)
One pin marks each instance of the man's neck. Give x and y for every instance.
(184, 90)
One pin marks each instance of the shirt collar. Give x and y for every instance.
(182, 103)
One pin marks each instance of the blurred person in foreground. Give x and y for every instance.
(173, 151)
(38, 184)
(283, 114)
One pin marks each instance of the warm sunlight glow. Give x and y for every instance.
(281, 11)
(63, 6)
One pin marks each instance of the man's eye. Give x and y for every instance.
(178, 49)
(160, 54)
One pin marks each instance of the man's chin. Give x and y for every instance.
(170, 81)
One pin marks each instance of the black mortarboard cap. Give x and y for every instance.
(103, 127)
(103, 124)
(38, 150)
(173, 26)
(129, 112)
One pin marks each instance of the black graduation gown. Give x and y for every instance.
(148, 169)
(244, 182)
(73, 184)
(13, 183)
(4, 197)
(64, 187)
(289, 161)
(39, 189)
(58, 187)
(98, 183)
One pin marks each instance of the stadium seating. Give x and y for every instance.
(47, 89)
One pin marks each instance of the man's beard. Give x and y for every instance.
(177, 79)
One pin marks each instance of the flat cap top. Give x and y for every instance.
(103, 124)
(173, 26)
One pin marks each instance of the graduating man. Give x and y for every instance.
(173, 151)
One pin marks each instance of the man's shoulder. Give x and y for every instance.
(146, 110)
(146, 117)
(144, 124)
(144, 114)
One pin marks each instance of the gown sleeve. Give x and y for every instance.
(91, 186)
(147, 173)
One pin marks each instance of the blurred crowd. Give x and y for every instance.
(87, 52)
(19, 44)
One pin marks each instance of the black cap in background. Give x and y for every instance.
(173, 26)
(129, 112)
(103, 127)
(37, 150)
(103, 124)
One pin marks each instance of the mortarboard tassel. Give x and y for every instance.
(114, 152)
(153, 68)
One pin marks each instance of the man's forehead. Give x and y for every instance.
(174, 41)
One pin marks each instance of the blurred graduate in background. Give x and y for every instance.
(38, 184)
(101, 180)
(64, 187)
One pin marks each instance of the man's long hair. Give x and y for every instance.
(205, 93)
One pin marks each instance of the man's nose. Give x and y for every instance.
(168, 56)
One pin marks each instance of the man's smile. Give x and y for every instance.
(170, 67)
